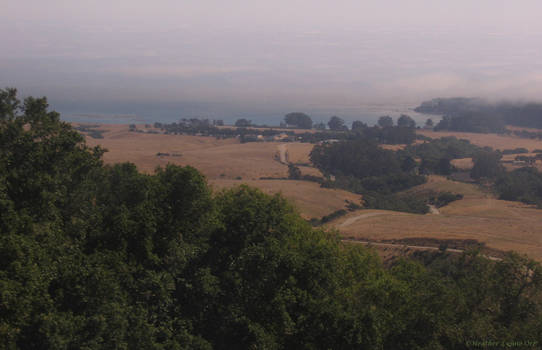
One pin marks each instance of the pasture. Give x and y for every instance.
(479, 215)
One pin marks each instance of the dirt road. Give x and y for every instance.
(351, 220)
(417, 247)
(283, 153)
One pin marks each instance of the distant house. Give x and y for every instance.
(280, 137)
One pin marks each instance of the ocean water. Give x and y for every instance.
(272, 115)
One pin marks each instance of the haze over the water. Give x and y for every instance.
(163, 60)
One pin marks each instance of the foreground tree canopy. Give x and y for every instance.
(95, 256)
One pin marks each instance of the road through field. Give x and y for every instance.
(351, 220)
(416, 247)
(283, 149)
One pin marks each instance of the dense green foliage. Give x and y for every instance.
(475, 115)
(248, 132)
(487, 165)
(294, 173)
(524, 184)
(378, 169)
(242, 122)
(362, 167)
(385, 121)
(444, 198)
(397, 202)
(358, 125)
(337, 124)
(436, 154)
(104, 257)
(298, 120)
(515, 150)
(406, 121)
(470, 121)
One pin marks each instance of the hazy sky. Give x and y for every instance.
(98, 56)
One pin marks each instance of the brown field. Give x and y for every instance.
(491, 140)
(215, 158)
(227, 163)
(299, 152)
(462, 163)
(499, 224)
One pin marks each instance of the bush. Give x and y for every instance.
(524, 185)
(515, 151)
(444, 199)
(395, 202)
(336, 214)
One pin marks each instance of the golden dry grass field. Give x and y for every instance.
(227, 163)
(226, 158)
(479, 215)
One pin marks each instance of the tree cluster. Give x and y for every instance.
(524, 185)
(475, 115)
(298, 120)
(436, 154)
(362, 167)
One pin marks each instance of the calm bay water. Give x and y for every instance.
(122, 113)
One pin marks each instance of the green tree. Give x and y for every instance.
(242, 122)
(335, 123)
(358, 125)
(486, 165)
(406, 121)
(298, 120)
(320, 126)
(293, 172)
(385, 121)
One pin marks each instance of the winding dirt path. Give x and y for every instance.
(353, 219)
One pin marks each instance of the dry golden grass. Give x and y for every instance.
(392, 147)
(311, 200)
(462, 163)
(499, 224)
(224, 161)
(436, 183)
(491, 140)
(299, 152)
(212, 157)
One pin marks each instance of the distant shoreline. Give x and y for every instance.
(367, 113)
